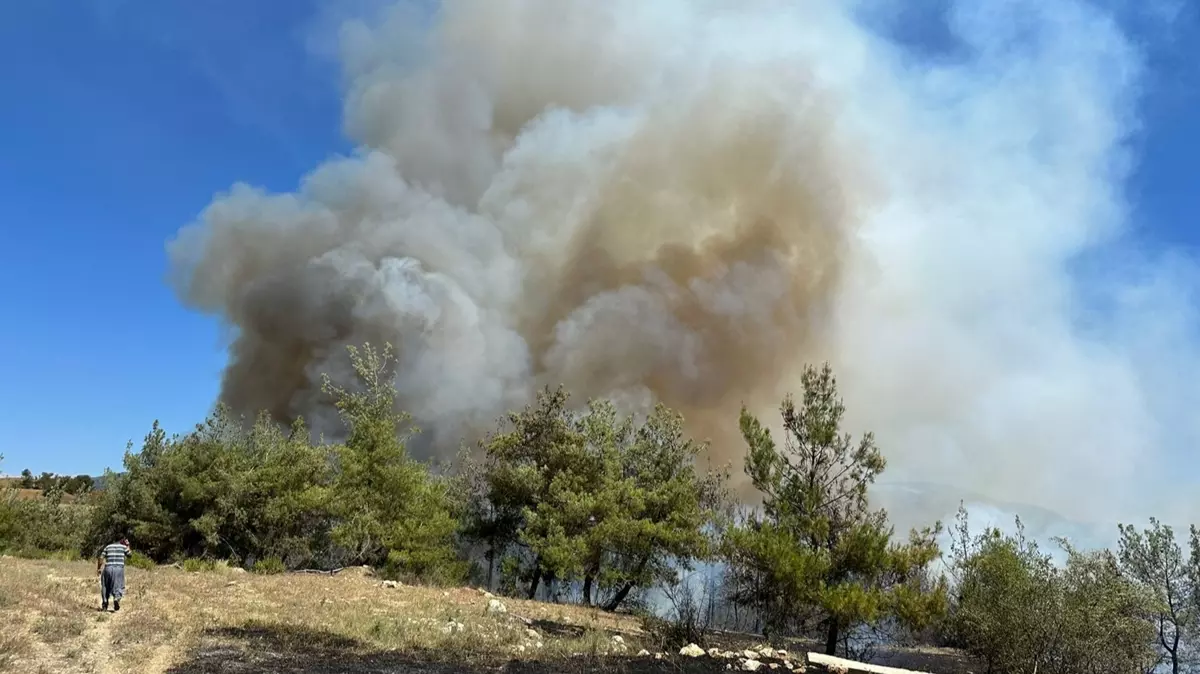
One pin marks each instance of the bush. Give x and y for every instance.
(687, 623)
(269, 566)
(226, 490)
(54, 555)
(194, 565)
(1017, 611)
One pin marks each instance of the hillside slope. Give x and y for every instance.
(174, 622)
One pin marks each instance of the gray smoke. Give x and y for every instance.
(685, 201)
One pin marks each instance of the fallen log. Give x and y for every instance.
(828, 663)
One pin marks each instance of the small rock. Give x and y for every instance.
(691, 651)
(496, 607)
(751, 665)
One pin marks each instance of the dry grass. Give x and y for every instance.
(192, 623)
(35, 494)
(176, 621)
(12, 646)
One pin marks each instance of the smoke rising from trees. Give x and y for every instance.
(686, 201)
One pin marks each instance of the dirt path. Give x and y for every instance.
(99, 644)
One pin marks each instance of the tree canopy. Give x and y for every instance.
(229, 490)
(1153, 559)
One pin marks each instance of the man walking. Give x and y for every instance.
(110, 566)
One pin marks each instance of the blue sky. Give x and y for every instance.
(119, 121)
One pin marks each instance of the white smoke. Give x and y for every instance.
(686, 200)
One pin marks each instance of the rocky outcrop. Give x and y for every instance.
(767, 658)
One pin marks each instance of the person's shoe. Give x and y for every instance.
(116, 606)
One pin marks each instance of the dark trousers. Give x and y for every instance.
(112, 584)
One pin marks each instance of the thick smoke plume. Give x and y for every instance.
(685, 201)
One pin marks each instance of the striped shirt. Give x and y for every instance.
(114, 554)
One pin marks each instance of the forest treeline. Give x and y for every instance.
(583, 503)
(75, 485)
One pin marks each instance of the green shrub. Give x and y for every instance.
(1017, 611)
(194, 565)
(269, 566)
(29, 552)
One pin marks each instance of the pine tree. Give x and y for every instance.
(817, 558)
(389, 510)
(527, 468)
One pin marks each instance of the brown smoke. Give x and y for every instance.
(683, 246)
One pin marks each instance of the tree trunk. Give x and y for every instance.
(491, 559)
(624, 591)
(537, 578)
(1175, 650)
(619, 597)
(831, 637)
